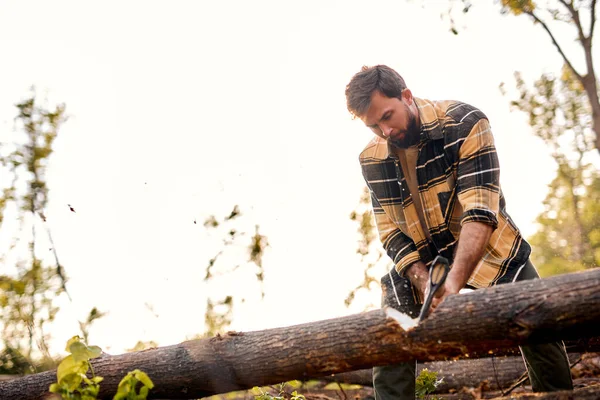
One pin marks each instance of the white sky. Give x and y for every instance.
(182, 109)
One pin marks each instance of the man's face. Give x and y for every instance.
(393, 119)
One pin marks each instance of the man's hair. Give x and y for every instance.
(370, 79)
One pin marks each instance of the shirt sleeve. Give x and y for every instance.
(478, 176)
(398, 246)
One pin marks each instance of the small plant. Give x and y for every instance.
(262, 395)
(74, 384)
(426, 383)
(127, 386)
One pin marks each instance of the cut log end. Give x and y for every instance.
(406, 322)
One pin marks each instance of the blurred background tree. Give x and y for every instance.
(32, 277)
(369, 248)
(559, 114)
(235, 239)
(29, 286)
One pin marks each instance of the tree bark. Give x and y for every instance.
(466, 325)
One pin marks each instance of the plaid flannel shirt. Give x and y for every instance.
(458, 177)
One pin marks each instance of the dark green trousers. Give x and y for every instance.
(547, 364)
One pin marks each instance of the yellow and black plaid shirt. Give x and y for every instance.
(458, 177)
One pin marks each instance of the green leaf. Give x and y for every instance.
(68, 366)
(144, 392)
(94, 351)
(72, 381)
(74, 339)
(142, 377)
(79, 351)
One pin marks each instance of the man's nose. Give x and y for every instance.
(385, 130)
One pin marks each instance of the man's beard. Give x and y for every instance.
(411, 137)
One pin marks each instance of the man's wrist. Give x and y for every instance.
(417, 273)
(456, 279)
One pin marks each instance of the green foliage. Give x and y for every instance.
(28, 291)
(565, 243)
(74, 383)
(426, 383)
(140, 345)
(366, 224)
(219, 312)
(85, 325)
(518, 7)
(559, 113)
(369, 248)
(12, 361)
(127, 386)
(256, 249)
(282, 395)
(218, 315)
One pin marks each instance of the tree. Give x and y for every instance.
(580, 16)
(29, 286)
(559, 114)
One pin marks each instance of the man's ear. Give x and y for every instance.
(407, 96)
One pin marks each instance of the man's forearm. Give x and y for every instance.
(473, 239)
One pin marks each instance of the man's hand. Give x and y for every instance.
(419, 276)
(449, 287)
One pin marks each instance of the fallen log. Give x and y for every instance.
(499, 372)
(466, 325)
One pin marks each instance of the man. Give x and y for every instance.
(433, 174)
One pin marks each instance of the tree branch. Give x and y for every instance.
(575, 16)
(592, 18)
(563, 55)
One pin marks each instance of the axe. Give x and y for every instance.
(437, 276)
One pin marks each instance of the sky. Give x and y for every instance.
(180, 110)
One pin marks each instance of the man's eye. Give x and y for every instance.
(386, 117)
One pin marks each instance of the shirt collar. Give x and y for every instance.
(430, 124)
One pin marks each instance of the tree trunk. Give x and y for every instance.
(591, 90)
(466, 325)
